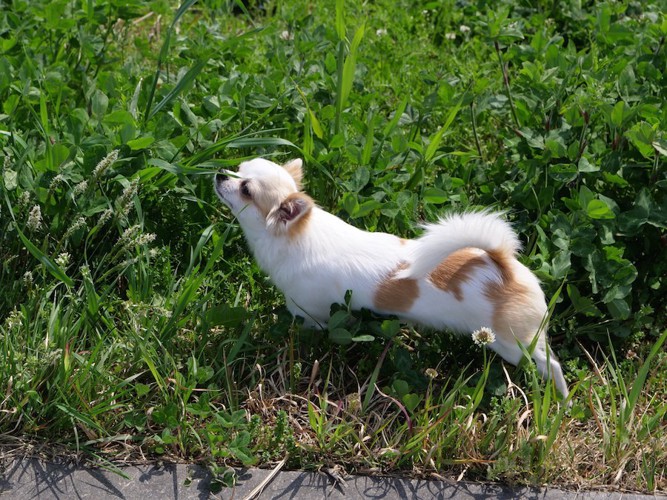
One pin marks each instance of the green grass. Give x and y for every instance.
(135, 326)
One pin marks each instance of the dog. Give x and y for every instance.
(462, 274)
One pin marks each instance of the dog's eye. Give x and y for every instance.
(244, 189)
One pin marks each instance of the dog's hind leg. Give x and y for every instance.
(545, 361)
(549, 367)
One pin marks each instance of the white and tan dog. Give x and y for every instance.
(462, 274)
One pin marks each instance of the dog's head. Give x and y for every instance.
(266, 197)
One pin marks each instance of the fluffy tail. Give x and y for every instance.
(485, 230)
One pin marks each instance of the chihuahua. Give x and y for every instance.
(462, 274)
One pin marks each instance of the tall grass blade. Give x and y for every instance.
(163, 55)
(48, 263)
(186, 80)
(639, 382)
(340, 19)
(350, 65)
(437, 138)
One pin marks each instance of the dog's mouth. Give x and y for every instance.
(220, 179)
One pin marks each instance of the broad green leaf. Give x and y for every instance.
(338, 319)
(360, 178)
(598, 209)
(226, 316)
(340, 336)
(141, 143)
(10, 178)
(99, 104)
(350, 203)
(583, 305)
(560, 265)
(400, 387)
(619, 309)
(142, 389)
(617, 114)
(642, 136)
(586, 166)
(366, 207)
(118, 117)
(411, 401)
(435, 196)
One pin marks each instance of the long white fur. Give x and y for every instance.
(484, 230)
(314, 258)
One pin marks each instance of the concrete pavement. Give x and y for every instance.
(31, 479)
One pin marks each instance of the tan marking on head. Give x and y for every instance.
(290, 217)
(456, 270)
(403, 241)
(396, 295)
(295, 169)
(518, 312)
(299, 225)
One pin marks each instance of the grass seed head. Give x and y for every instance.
(105, 163)
(35, 218)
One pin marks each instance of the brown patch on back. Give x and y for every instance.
(456, 270)
(396, 295)
(514, 315)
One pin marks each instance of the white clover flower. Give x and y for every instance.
(450, 36)
(105, 163)
(431, 373)
(483, 336)
(464, 29)
(27, 278)
(35, 218)
(286, 35)
(381, 32)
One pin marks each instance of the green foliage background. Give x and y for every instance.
(133, 280)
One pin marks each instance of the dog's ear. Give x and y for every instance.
(291, 215)
(294, 168)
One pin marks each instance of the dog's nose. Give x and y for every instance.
(220, 177)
